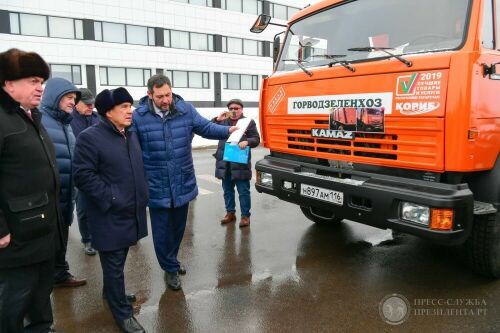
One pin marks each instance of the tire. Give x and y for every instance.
(320, 216)
(483, 245)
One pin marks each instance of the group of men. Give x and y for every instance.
(119, 161)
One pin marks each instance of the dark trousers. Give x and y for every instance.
(168, 225)
(81, 214)
(25, 298)
(61, 272)
(113, 263)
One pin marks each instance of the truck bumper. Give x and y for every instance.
(371, 198)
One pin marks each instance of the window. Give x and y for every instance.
(151, 36)
(61, 27)
(113, 32)
(234, 45)
(246, 6)
(179, 39)
(120, 76)
(137, 35)
(199, 42)
(33, 25)
(45, 26)
(208, 3)
(242, 46)
(250, 7)
(487, 35)
(279, 12)
(166, 38)
(98, 30)
(188, 40)
(282, 12)
(185, 79)
(14, 23)
(250, 47)
(124, 33)
(72, 73)
(235, 5)
(240, 82)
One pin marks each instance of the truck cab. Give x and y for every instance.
(387, 113)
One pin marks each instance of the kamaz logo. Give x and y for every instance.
(331, 134)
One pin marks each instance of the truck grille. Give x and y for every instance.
(407, 142)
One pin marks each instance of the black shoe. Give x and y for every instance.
(130, 297)
(173, 281)
(130, 325)
(182, 269)
(89, 250)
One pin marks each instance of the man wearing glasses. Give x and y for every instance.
(236, 174)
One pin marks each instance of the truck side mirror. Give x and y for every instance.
(276, 47)
(261, 23)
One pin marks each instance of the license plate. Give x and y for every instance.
(323, 194)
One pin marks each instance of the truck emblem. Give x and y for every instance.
(331, 134)
(276, 100)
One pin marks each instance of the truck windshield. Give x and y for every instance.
(404, 26)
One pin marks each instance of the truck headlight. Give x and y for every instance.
(415, 213)
(264, 179)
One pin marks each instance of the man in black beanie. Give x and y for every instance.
(108, 169)
(30, 229)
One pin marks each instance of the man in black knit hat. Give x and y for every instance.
(30, 229)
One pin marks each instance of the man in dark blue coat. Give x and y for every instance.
(58, 100)
(165, 125)
(84, 116)
(108, 169)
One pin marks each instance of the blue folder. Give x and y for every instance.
(233, 153)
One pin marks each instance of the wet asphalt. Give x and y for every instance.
(285, 274)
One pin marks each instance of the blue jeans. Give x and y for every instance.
(168, 225)
(81, 214)
(243, 187)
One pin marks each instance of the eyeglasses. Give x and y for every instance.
(234, 108)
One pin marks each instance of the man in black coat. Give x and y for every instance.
(30, 229)
(108, 169)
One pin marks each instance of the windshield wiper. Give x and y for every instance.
(383, 49)
(334, 61)
(299, 64)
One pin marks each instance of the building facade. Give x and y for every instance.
(204, 46)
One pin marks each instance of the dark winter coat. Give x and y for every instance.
(80, 123)
(29, 187)
(166, 150)
(108, 169)
(56, 122)
(238, 171)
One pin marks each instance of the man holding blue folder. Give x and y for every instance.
(236, 173)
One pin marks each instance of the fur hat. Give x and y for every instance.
(108, 99)
(235, 101)
(16, 64)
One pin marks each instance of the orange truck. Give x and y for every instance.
(429, 164)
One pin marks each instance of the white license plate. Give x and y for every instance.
(323, 194)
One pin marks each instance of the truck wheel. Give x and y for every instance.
(320, 216)
(483, 245)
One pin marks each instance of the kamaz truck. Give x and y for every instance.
(427, 72)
